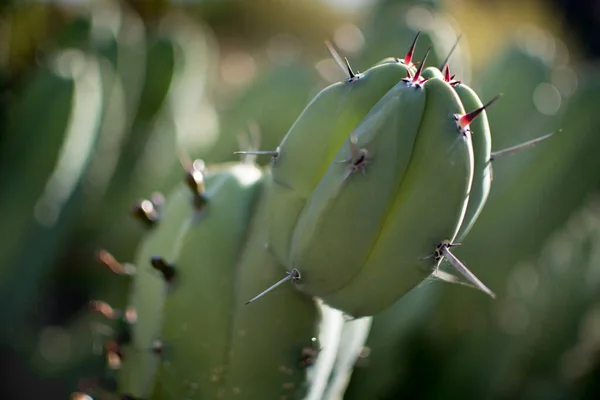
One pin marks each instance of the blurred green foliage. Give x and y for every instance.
(103, 102)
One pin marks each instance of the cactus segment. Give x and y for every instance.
(271, 343)
(482, 148)
(148, 293)
(313, 141)
(325, 124)
(437, 182)
(343, 216)
(197, 312)
(194, 272)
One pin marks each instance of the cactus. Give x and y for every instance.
(232, 229)
(353, 220)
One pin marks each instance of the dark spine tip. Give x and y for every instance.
(167, 270)
(351, 73)
(468, 118)
(411, 51)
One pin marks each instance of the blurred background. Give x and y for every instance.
(101, 100)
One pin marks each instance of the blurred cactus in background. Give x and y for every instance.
(105, 105)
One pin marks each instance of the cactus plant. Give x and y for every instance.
(339, 314)
(232, 229)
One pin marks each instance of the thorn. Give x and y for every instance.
(448, 78)
(194, 179)
(522, 146)
(451, 51)
(444, 249)
(350, 72)
(336, 56)
(272, 153)
(116, 267)
(146, 211)
(418, 74)
(466, 119)
(417, 80)
(249, 139)
(103, 308)
(352, 76)
(359, 157)
(114, 355)
(411, 52)
(294, 276)
(167, 270)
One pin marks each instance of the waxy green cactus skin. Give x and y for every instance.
(226, 350)
(148, 295)
(482, 150)
(313, 141)
(437, 183)
(195, 364)
(345, 213)
(269, 338)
